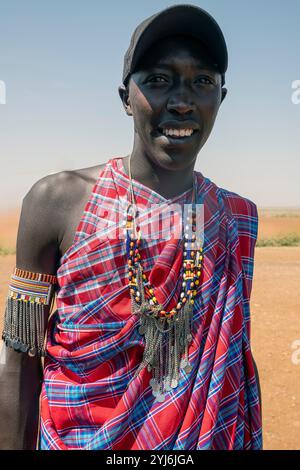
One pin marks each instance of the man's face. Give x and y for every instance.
(174, 87)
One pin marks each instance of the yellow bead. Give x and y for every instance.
(197, 282)
(192, 301)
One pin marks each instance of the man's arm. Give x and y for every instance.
(20, 374)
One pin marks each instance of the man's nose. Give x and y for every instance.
(181, 102)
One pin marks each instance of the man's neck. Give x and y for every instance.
(165, 182)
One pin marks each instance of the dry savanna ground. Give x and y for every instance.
(275, 307)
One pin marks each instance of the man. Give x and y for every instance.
(114, 376)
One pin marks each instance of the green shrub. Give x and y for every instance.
(7, 251)
(291, 239)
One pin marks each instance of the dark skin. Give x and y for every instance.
(176, 81)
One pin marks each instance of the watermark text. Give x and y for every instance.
(2, 92)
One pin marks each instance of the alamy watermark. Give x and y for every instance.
(296, 354)
(295, 97)
(2, 92)
(155, 222)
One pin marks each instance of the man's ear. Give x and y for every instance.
(224, 93)
(123, 92)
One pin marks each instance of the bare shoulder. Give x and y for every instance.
(58, 187)
(50, 213)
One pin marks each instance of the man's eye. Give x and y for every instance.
(205, 80)
(156, 79)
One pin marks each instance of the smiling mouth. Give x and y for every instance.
(177, 136)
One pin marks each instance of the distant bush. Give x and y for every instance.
(290, 215)
(292, 239)
(7, 251)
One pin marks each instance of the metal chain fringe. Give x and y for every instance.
(166, 343)
(24, 324)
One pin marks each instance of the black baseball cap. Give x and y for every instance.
(184, 19)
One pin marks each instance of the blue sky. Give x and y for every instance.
(62, 64)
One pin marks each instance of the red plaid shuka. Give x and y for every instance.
(90, 399)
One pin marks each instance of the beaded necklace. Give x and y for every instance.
(167, 333)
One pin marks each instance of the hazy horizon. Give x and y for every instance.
(62, 64)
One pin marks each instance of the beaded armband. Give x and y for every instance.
(24, 323)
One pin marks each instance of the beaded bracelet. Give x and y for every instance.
(24, 322)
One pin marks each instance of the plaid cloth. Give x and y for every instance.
(90, 399)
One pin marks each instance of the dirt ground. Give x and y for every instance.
(276, 222)
(275, 308)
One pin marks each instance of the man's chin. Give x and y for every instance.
(173, 162)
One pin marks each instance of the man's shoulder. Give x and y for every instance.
(238, 205)
(235, 203)
(64, 186)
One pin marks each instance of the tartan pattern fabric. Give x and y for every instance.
(89, 398)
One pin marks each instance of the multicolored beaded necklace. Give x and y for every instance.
(167, 333)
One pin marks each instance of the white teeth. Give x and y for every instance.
(178, 132)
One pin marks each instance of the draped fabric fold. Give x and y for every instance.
(90, 399)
